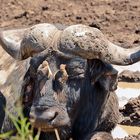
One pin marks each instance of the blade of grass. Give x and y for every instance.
(15, 122)
(6, 135)
(37, 135)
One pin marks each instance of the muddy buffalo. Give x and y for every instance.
(46, 42)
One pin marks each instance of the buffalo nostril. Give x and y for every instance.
(51, 115)
(41, 114)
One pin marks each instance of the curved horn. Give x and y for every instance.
(10, 40)
(23, 43)
(90, 43)
(76, 40)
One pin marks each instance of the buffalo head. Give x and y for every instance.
(45, 41)
(51, 91)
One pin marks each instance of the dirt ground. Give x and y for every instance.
(119, 20)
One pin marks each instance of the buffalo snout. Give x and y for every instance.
(48, 118)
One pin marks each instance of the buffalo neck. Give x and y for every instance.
(93, 98)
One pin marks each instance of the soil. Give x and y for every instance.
(131, 112)
(119, 20)
(132, 137)
(129, 76)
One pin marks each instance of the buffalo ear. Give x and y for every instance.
(111, 72)
(99, 69)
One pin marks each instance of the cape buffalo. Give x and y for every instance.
(45, 41)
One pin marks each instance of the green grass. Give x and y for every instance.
(24, 130)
